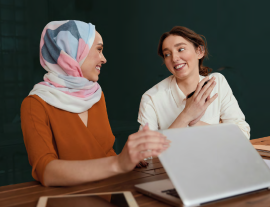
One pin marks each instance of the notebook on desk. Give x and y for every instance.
(208, 163)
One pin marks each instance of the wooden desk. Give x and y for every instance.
(27, 194)
(261, 141)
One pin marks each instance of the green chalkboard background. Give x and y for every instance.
(236, 31)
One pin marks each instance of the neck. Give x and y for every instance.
(188, 84)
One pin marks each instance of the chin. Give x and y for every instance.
(94, 79)
(182, 75)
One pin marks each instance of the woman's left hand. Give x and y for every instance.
(195, 121)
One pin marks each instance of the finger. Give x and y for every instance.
(146, 127)
(144, 133)
(197, 119)
(199, 86)
(138, 166)
(150, 139)
(151, 146)
(152, 153)
(212, 99)
(158, 152)
(192, 123)
(145, 154)
(208, 91)
(205, 88)
(143, 163)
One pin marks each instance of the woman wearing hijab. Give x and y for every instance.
(64, 119)
(172, 103)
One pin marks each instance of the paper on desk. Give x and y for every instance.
(267, 162)
(262, 147)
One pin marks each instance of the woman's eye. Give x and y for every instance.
(181, 49)
(166, 55)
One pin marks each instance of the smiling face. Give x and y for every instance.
(180, 56)
(95, 58)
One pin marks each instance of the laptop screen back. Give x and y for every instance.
(212, 162)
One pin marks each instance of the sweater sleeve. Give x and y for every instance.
(37, 136)
(147, 113)
(230, 111)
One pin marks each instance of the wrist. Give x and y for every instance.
(186, 119)
(116, 167)
(193, 124)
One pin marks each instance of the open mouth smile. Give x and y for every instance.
(98, 68)
(179, 66)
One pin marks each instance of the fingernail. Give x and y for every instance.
(168, 141)
(146, 124)
(166, 146)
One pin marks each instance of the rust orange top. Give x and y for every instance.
(51, 133)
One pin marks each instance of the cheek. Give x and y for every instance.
(168, 63)
(191, 57)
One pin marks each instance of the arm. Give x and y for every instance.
(66, 173)
(52, 171)
(200, 123)
(147, 113)
(230, 111)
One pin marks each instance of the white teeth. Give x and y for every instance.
(179, 66)
(98, 68)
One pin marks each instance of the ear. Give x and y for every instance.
(200, 52)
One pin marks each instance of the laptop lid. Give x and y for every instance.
(208, 163)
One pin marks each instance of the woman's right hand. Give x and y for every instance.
(198, 103)
(140, 145)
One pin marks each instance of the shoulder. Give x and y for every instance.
(220, 80)
(158, 89)
(219, 77)
(33, 110)
(33, 101)
(33, 105)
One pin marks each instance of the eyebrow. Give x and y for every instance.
(100, 44)
(176, 45)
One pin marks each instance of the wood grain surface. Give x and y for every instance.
(261, 141)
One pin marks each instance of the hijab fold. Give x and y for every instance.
(64, 45)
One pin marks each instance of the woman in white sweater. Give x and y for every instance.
(166, 105)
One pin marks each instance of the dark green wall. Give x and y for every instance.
(236, 32)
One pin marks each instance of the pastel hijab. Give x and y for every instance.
(64, 45)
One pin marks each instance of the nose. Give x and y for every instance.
(175, 57)
(103, 59)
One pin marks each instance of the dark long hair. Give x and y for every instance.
(196, 39)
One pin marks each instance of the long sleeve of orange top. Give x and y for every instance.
(51, 133)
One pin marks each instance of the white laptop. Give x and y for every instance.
(206, 164)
